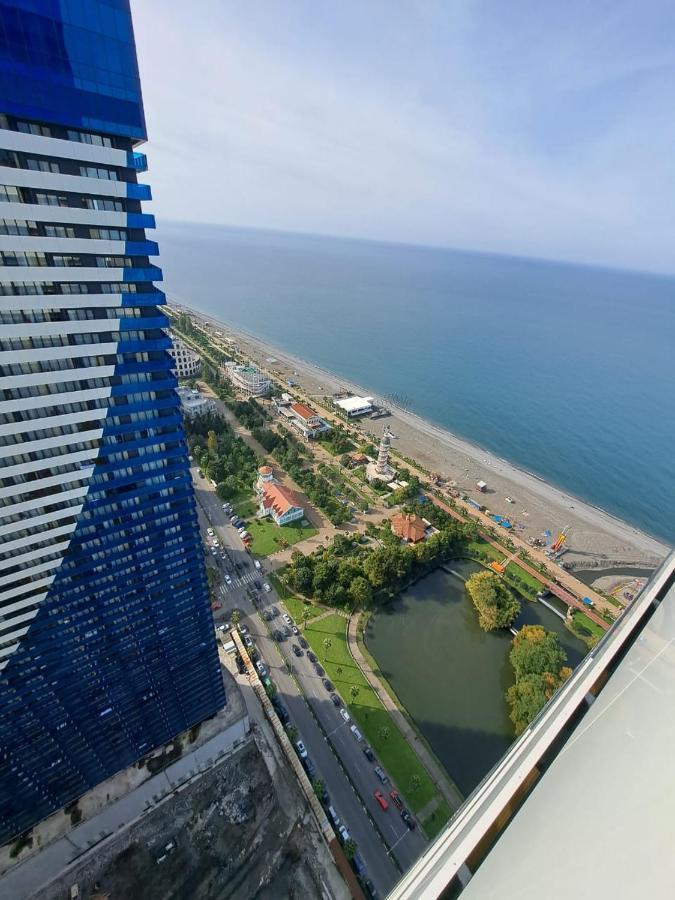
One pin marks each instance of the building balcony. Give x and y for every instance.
(141, 248)
(138, 191)
(137, 161)
(140, 220)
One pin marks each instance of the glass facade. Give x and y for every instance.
(107, 646)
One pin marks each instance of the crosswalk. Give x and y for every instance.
(239, 581)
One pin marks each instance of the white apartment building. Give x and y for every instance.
(188, 362)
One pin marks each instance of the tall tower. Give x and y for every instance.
(107, 645)
(382, 465)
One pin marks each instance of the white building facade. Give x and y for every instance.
(187, 362)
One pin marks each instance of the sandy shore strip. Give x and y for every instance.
(596, 538)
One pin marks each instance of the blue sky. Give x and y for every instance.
(532, 128)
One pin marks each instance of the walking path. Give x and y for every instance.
(436, 773)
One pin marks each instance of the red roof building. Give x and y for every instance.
(281, 503)
(408, 527)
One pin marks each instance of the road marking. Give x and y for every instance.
(405, 834)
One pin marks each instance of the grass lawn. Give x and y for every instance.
(533, 584)
(293, 603)
(396, 754)
(436, 820)
(482, 546)
(268, 537)
(587, 624)
(245, 509)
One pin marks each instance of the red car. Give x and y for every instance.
(216, 606)
(396, 799)
(379, 796)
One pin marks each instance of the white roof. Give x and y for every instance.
(351, 404)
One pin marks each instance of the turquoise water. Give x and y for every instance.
(567, 371)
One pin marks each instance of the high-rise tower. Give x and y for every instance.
(107, 646)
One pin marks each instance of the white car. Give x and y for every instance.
(287, 619)
(357, 734)
(260, 666)
(210, 532)
(249, 643)
(228, 579)
(345, 715)
(344, 834)
(266, 588)
(256, 563)
(302, 753)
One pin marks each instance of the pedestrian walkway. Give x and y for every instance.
(436, 772)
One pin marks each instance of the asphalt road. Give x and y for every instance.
(350, 807)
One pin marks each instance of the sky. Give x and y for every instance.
(527, 128)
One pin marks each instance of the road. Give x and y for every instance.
(344, 798)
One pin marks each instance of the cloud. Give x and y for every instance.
(451, 123)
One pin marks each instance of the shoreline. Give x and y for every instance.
(598, 539)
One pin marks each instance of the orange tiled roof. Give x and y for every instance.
(265, 470)
(303, 411)
(279, 498)
(408, 526)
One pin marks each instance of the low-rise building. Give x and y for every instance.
(409, 527)
(355, 406)
(187, 361)
(276, 500)
(248, 380)
(306, 421)
(192, 403)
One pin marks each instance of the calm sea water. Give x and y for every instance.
(567, 371)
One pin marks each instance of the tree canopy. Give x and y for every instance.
(497, 607)
(538, 662)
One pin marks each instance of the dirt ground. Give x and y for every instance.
(235, 835)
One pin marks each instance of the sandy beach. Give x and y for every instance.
(596, 539)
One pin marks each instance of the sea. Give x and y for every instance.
(566, 370)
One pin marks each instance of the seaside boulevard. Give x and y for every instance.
(597, 540)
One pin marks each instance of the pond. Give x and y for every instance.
(449, 674)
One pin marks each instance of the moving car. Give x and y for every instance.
(302, 753)
(379, 796)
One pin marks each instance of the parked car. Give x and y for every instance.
(260, 666)
(381, 774)
(328, 684)
(335, 819)
(408, 819)
(311, 656)
(201, 474)
(345, 715)
(267, 615)
(210, 532)
(287, 619)
(243, 629)
(368, 753)
(302, 752)
(233, 519)
(344, 834)
(297, 650)
(278, 636)
(228, 579)
(256, 563)
(396, 800)
(369, 888)
(310, 768)
(266, 588)
(319, 671)
(303, 643)
(359, 865)
(216, 605)
(275, 610)
(258, 585)
(336, 700)
(357, 734)
(247, 641)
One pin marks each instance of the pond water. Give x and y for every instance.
(449, 674)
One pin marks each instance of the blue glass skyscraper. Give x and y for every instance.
(107, 646)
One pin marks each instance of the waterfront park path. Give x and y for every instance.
(433, 767)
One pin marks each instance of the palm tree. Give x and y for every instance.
(338, 671)
(354, 691)
(383, 732)
(306, 616)
(415, 783)
(327, 643)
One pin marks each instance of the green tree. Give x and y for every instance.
(497, 607)
(361, 592)
(383, 732)
(350, 849)
(535, 651)
(306, 616)
(354, 691)
(319, 787)
(338, 671)
(327, 643)
(292, 733)
(415, 783)
(235, 618)
(212, 442)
